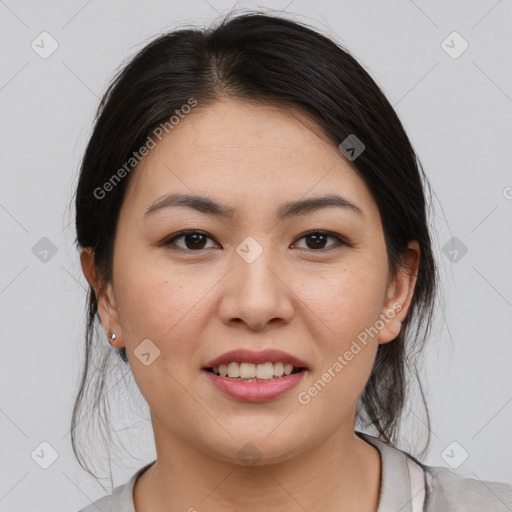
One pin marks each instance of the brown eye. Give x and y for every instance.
(317, 240)
(193, 240)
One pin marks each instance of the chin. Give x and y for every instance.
(257, 449)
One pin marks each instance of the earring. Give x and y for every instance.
(112, 338)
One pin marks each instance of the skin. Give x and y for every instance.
(195, 304)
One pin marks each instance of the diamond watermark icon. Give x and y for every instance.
(44, 250)
(249, 454)
(351, 147)
(454, 250)
(249, 250)
(44, 455)
(44, 45)
(146, 352)
(454, 455)
(454, 45)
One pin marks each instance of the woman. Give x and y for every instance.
(252, 225)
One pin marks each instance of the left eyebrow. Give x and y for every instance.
(304, 206)
(285, 210)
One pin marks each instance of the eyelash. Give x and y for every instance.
(182, 234)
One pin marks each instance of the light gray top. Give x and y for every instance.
(405, 487)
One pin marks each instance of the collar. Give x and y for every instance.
(395, 487)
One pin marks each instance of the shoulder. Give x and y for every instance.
(448, 491)
(442, 489)
(102, 505)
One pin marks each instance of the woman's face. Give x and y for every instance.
(251, 280)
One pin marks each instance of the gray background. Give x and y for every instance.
(458, 114)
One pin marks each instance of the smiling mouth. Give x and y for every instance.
(235, 375)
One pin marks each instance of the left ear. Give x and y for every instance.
(400, 292)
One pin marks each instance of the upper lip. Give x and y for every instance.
(250, 356)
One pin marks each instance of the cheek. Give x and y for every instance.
(159, 303)
(344, 301)
(343, 313)
(169, 312)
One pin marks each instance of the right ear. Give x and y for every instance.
(106, 303)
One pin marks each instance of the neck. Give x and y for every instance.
(341, 474)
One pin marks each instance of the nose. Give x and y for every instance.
(256, 292)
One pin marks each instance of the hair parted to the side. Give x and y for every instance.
(261, 58)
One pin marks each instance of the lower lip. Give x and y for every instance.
(255, 391)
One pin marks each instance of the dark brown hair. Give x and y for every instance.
(261, 58)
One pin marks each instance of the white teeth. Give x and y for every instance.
(247, 371)
(288, 368)
(278, 368)
(233, 370)
(265, 371)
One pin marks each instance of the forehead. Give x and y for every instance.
(246, 153)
